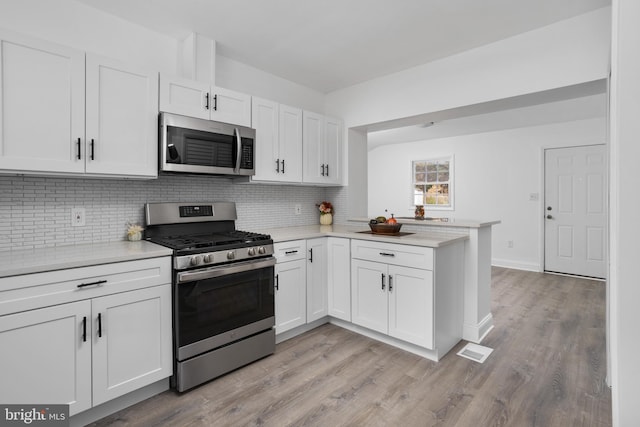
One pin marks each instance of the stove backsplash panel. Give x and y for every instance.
(35, 212)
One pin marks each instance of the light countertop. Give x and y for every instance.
(428, 239)
(13, 263)
(440, 222)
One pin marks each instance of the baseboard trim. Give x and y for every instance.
(516, 265)
(476, 333)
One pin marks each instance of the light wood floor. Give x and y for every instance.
(548, 369)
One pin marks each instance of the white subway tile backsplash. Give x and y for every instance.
(36, 211)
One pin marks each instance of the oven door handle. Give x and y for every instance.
(239, 267)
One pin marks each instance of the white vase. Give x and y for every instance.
(326, 219)
(134, 236)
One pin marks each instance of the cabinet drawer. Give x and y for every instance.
(31, 291)
(290, 251)
(390, 253)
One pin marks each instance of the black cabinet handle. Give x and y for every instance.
(84, 329)
(99, 282)
(282, 165)
(322, 170)
(327, 169)
(386, 254)
(206, 101)
(215, 102)
(291, 252)
(277, 282)
(277, 165)
(382, 281)
(99, 325)
(390, 283)
(92, 151)
(311, 255)
(79, 149)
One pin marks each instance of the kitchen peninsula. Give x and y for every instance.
(476, 261)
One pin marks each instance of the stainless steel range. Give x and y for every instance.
(223, 289)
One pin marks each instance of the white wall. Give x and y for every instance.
(624, 212)
(565, 53)
(494, 174)
(76, 25)
(237, 76)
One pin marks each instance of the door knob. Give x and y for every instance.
(548, 208)
(549, 217)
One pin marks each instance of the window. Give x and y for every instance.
(433, 183)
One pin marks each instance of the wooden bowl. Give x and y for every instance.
(383, 228)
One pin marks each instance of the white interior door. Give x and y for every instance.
(575, 210)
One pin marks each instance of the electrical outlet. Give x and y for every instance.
(77, 217)
(297, 209)
(510, 244)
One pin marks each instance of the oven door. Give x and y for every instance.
(219, 305)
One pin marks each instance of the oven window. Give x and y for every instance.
(209, 307)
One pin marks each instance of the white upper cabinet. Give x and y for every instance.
(290, 120)
(42, 106)
(278, 141)
(119, 134)
(197, 99)
(322, 149)
(121, 119)
(184, 96)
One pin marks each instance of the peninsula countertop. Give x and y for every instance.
(439, 222)
(427, 239)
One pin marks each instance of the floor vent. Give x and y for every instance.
(475, 352)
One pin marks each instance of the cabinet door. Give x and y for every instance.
(46, 356)
(122, 119)
(369, 295)
(316, 279)
(411, 305)
(264, 119)
(184, 96)
(42, 106)
(291, 295)
(313, 168)
(131, 341)
(333, 150)
(339, 278)
(231, 107)
(291, 143)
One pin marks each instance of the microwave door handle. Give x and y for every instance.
(236, 168)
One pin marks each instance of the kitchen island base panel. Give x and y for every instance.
(434, 355)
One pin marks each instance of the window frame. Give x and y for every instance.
(451, 205)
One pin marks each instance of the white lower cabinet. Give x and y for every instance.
(316, 279)
(45, 356)
(290, 285)
(395, 300)
(410, 296)
(130, 345)
(106, 343)
(339, 278)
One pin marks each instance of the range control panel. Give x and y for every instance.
(196, 211)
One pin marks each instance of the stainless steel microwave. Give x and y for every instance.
(191, 145)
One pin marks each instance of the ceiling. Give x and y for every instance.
(587, 107)
(331, 44)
